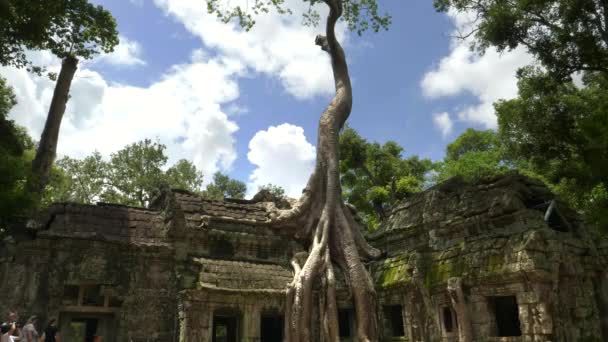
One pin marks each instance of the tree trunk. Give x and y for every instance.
(459, 303)
(47, 147)
(327, 225)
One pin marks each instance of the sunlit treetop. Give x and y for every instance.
(359, 15)
(565, 35)
(67, 28)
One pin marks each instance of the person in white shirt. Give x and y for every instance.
(6, 332)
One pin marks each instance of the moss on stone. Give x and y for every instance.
(495, 263)
(439, 272)
(393, 275)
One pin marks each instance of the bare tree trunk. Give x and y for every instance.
(322, 219)
(47, 147)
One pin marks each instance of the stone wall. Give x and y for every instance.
(492, 239)
(498, 260)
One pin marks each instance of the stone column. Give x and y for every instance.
(194, 321)
(465, 331)
(251, 324)
(602, 303)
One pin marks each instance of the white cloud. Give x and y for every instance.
(488, 77)
(126, 53)
(186, 109)
(279, 46)
(282, 156)
(444, 123)
(183, 110)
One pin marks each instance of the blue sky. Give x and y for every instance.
(248, 103)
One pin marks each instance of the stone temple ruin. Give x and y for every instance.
(498, 260)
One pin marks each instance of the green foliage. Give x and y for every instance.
(79, 180)
(559, 131)
(66, 28)
(184, 175)
(473, 155)
(73, 28)
(132, 176)
(565, 35)
(274, 190)
(135, 173)
(14, 161)
(375, 176)
(224, 187)
(359, 15)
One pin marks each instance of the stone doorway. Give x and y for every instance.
(271, 328)
(82, 327)
(225, 328)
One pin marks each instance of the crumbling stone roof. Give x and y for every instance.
(493, 230)
(104, 221)
(456, 202)
(196, 208)
(240, 275)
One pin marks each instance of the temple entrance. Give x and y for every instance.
(225, 328)
(80, 327)
(271, 329)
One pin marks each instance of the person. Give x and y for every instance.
(13, 317)
(6, 332)
(29, 330)
(50, 333)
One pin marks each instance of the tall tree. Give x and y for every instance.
(559, 130)
(566, 36)
(375, 176)
(223, 186)
(87, 179)
(14, 161)
(184, 175)
(320, 217)
(76, 29)
(554, 129)
(473, 155)
(132, 176)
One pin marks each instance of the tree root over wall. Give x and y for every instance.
(328, 226)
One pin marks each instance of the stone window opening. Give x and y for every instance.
(71, 294)
(271, 328)
(225, 328)
(221, 249)
(344, 323)
(262, 252)
(393, 321)
(450, 323)
(506, 314)
(89, 295)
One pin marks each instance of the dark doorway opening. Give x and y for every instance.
(224, 329)
(393, 321)
(271, 328)
(344, 322)
(507, 316)
(448, 321)
(86, 329)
